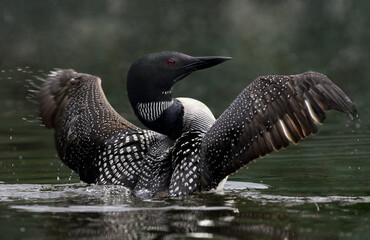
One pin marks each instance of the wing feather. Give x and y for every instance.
(91, 137)
(271, 112)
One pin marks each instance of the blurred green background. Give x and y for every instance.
(263, 37)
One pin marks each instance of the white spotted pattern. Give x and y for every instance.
(104, 148)
(186, 164)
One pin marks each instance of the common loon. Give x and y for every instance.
(186, 149)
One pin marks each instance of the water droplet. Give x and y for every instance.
(58, 178)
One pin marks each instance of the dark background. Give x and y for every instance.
(263, 37)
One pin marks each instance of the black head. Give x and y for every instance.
(154, 74)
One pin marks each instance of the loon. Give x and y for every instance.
(185, 149)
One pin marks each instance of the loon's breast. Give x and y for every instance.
(197, 116)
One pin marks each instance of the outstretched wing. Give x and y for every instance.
(91, 137)
(269, 113)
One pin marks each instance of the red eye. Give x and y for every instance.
(171, 62)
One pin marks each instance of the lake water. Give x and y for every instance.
(318, 189)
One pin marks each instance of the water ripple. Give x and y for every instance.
(114, 208)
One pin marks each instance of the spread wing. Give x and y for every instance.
(269, 113)
(91, 137)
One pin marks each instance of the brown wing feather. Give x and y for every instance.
(63, 85)
(90, 136)
(269, 113)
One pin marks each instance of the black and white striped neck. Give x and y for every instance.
(163, 116)
(149, 83)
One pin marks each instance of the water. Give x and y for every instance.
(78, 210)
(318, 189)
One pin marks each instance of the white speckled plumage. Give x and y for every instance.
(199, 152)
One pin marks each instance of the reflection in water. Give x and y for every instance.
(80, 210)
(113, 208)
